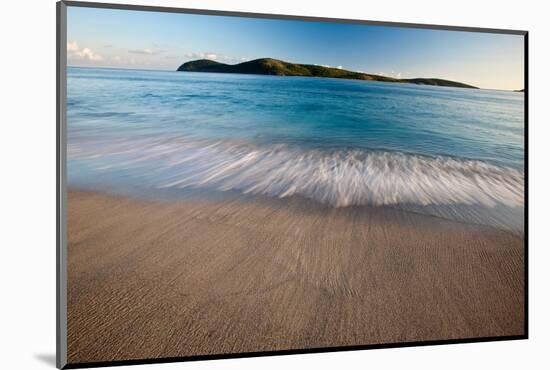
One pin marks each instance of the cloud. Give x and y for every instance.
(145, 51)
(72, 46)
(215, 56)
(392, 74)
(328, 66)
(207, 55)
(76, 53)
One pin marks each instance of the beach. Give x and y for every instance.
(154, 279)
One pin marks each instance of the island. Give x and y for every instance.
(270, 66)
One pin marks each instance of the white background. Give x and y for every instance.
(27, 180)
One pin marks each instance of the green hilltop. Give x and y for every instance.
(269, 66)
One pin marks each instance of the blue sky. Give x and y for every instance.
(153, 40)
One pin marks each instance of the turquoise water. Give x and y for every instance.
(446, 151)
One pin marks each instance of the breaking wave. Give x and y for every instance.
(337, 178)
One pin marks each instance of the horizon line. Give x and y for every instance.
(172, 70)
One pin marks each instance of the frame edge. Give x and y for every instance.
(61, 217)
(227, 13)
(526, 179)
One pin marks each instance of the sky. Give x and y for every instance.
(164, 41)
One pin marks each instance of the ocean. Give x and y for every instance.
(446, 152)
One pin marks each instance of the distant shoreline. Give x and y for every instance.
(270, 66)
(172, 71)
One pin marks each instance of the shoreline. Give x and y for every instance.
(152, 279)
(298, 203)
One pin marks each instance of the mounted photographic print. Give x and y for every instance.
(234, 184)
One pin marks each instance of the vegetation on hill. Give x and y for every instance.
(269, 66)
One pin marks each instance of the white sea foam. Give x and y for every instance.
(338, 178)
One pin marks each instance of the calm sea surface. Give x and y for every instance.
(449, 152)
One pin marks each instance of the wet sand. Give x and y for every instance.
(156, 279)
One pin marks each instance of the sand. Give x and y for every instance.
(196, 277)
